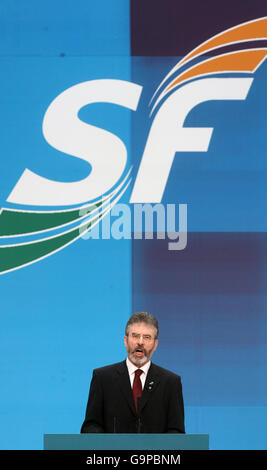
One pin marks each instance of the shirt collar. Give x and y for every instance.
(132, 368)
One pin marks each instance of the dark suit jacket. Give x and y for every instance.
(110, 406)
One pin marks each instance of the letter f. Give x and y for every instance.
(168, 136)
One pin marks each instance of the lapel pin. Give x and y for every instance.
(150, 385)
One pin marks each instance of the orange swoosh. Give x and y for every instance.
(241, 61)
(256, 29)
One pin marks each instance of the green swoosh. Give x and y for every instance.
(14, 223)
(13, 257)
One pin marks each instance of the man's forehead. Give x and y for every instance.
(138, 327)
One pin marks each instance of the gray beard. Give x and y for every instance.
(138, 362)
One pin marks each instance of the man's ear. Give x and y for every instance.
(156, 345)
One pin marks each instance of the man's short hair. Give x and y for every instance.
(142, 317)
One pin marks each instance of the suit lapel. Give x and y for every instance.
(151, 383)
(125, 385)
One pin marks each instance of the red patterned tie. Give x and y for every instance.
(137, 386)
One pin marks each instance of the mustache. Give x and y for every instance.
(139, 348)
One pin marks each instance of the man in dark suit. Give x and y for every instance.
(135, 395)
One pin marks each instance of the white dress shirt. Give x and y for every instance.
(132, 368)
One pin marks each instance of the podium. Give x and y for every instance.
(126, 441)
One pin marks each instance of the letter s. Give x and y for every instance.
(63, 130)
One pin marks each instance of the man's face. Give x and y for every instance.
(140, 343)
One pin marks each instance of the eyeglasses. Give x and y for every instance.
(146, 338)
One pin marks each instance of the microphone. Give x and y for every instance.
(139, 424)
